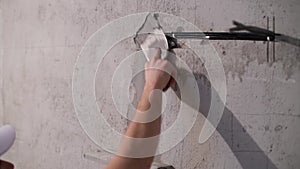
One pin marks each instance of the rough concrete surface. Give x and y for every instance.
(40, 41)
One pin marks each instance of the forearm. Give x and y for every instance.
(138, 146)
(149, 104)
(146, 129)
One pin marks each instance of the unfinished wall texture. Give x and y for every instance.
(40, 41)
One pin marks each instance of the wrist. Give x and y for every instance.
(149, 88)
(149, 91)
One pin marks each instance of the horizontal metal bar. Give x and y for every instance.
(222, 36)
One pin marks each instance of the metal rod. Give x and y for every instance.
(222, 36)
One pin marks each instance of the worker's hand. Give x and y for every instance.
(158, 73)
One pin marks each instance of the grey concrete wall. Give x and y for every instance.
(41, 40)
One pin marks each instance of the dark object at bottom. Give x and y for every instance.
(6, 165)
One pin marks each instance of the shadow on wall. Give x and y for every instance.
(253, 156)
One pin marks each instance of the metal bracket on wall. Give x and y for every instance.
(268, 42)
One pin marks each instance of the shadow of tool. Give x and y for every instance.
(253, 156)
(265, 32)
(289, 40)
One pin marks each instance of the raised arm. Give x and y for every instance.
(147, 120)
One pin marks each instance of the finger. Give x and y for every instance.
(146, 65)
(158, 53)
